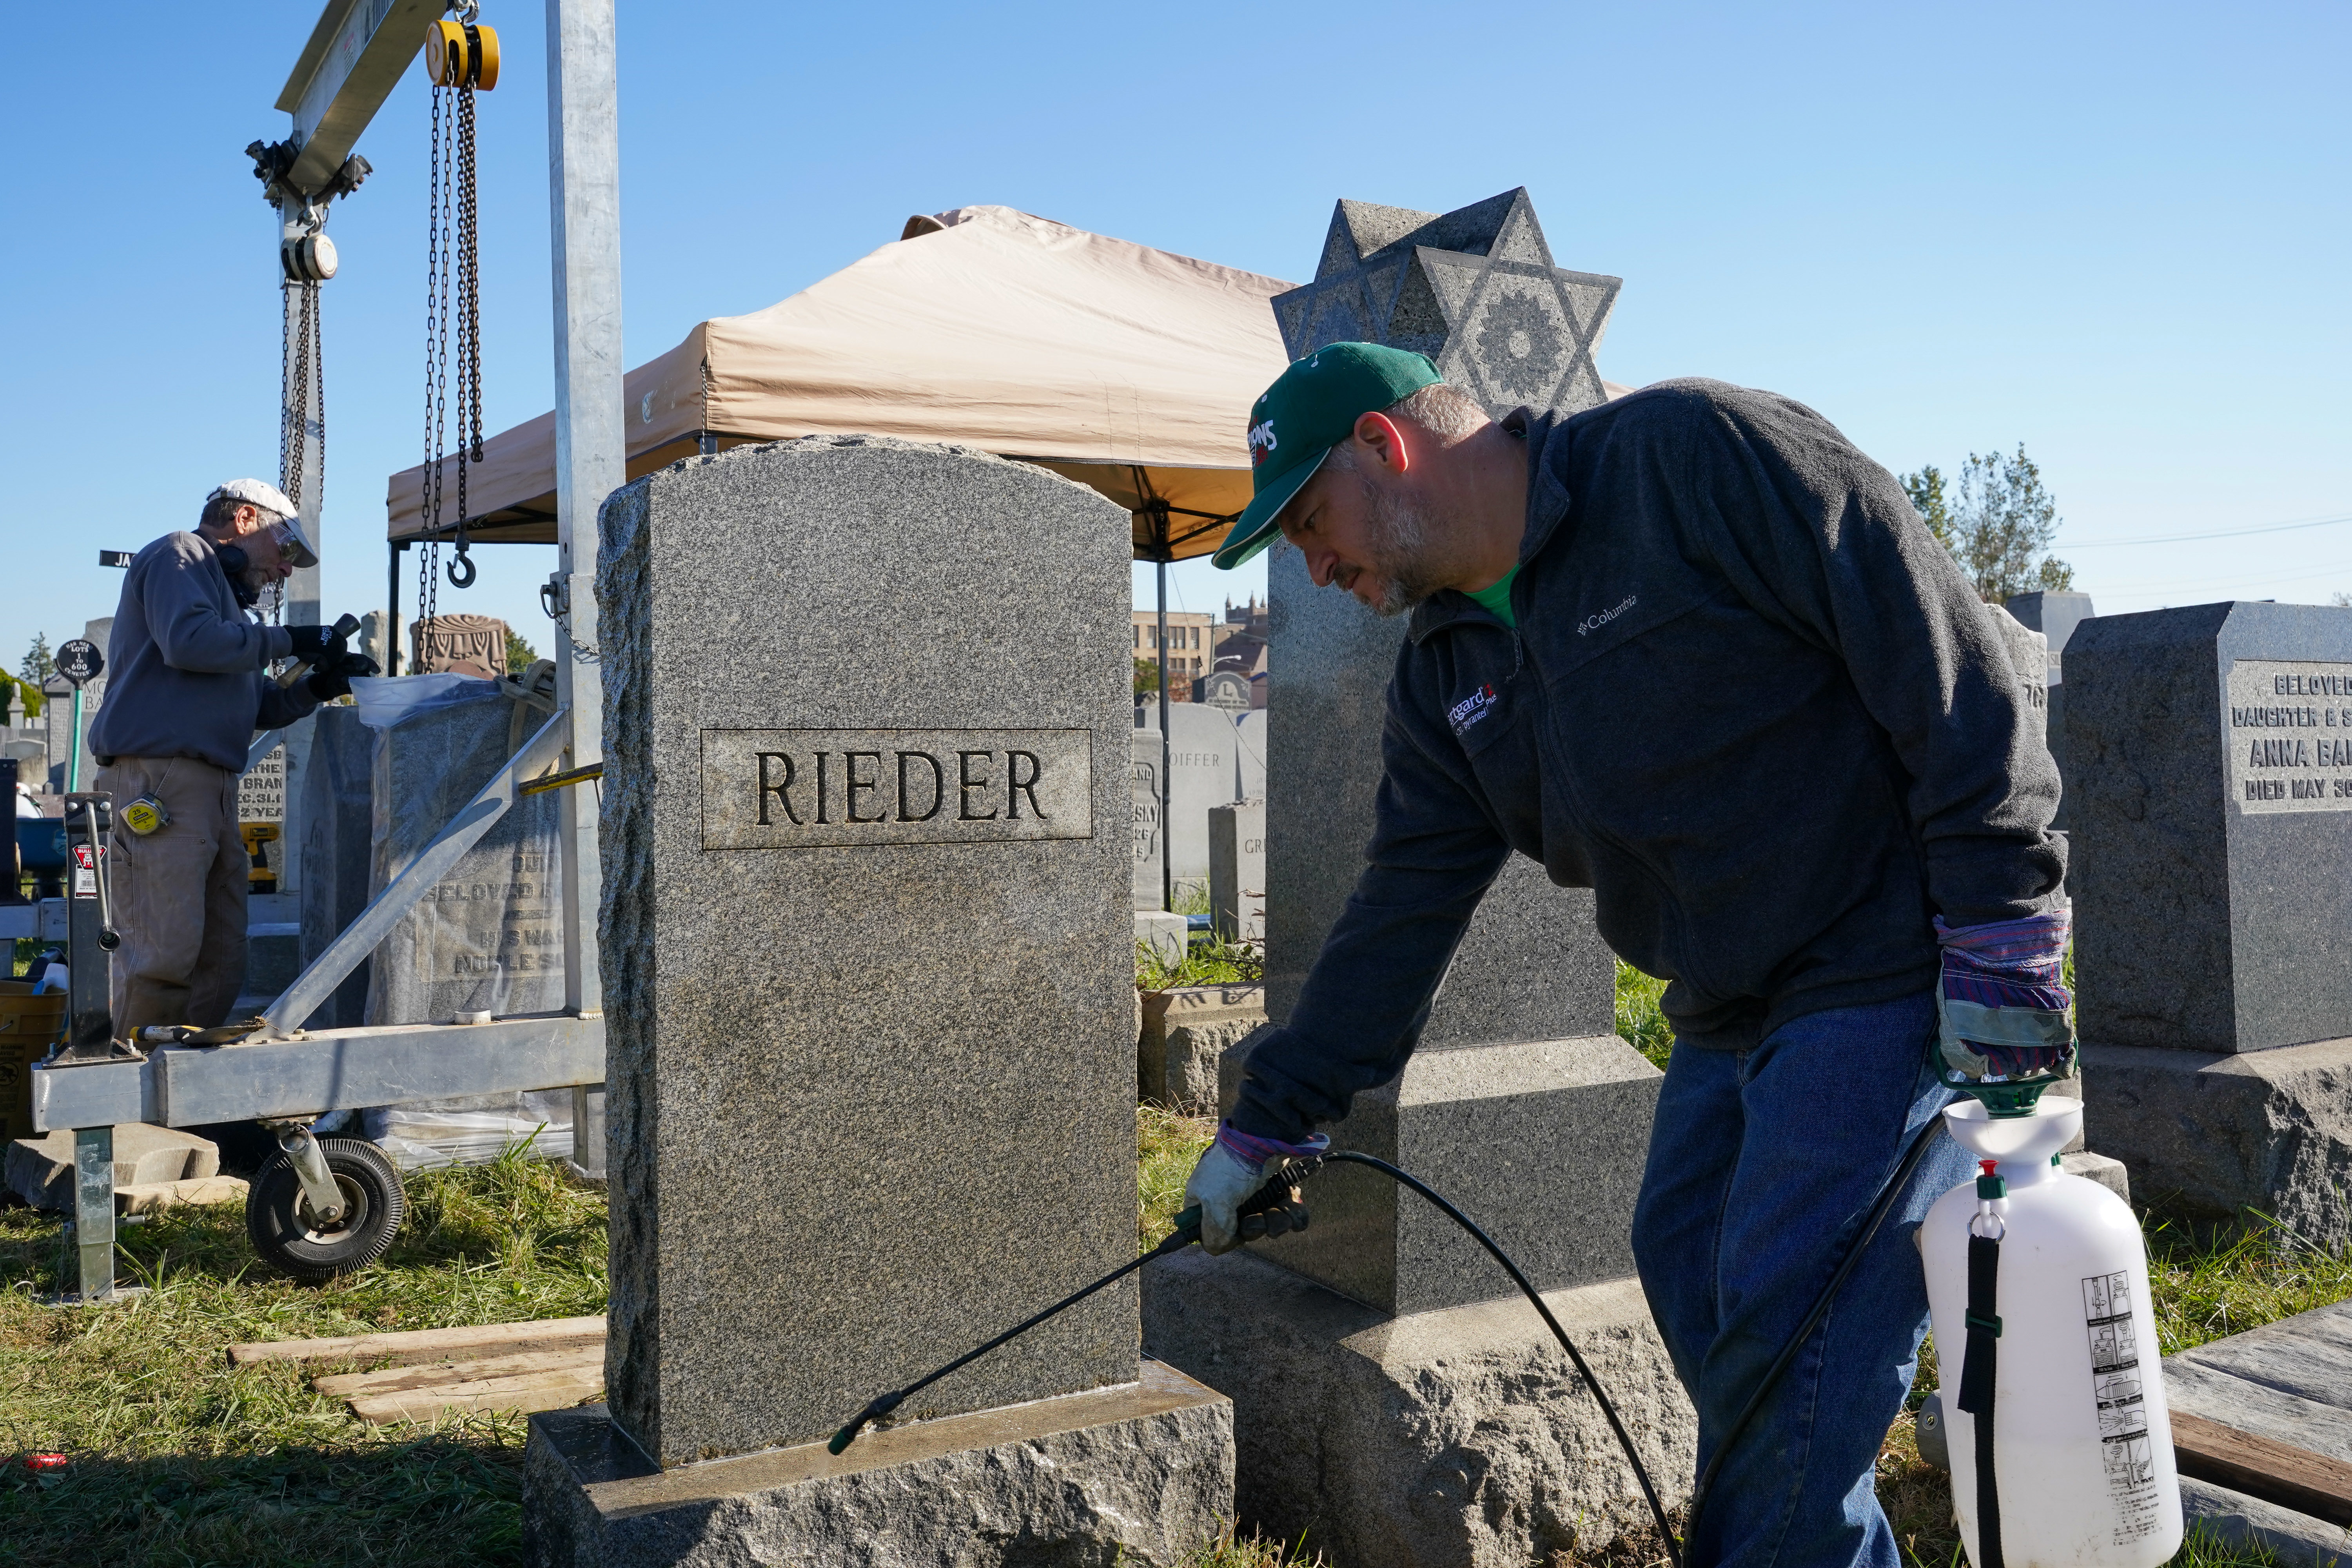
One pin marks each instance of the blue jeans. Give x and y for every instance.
(1762, 1165)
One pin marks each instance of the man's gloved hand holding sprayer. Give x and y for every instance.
(1229, 1173)
(2002, 1001)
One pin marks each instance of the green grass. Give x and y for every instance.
(1207, 961)
(1167, 1144)
(1639, 1024)
(176, 1457)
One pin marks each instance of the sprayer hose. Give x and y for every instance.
(1527, 1287)
(1883, 1206)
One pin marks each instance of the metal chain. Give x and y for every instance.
(470, 313)
(436, 327)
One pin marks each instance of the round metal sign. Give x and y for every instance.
(79, 660)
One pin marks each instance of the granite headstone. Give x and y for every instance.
(2210, 758)
(1237, 871)
(867, 955)
(337, 822)
(1250, 730)
(1150, 844)
(2212, 750)
(488, 935)
(2056, 616)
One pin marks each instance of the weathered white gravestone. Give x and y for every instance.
(1150, 844)
(1203, 771)
(871, 1006)
(1250, 729)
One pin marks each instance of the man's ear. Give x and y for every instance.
(1380, 434)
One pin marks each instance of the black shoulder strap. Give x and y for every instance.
(1976, 1371)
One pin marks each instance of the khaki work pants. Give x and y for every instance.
(178, 895)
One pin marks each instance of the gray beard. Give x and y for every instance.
(1400, 547)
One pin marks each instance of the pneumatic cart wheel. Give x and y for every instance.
(285, 1231)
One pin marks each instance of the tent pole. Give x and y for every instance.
(1167, 842)
(391, 609)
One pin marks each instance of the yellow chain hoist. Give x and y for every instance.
(461, 59)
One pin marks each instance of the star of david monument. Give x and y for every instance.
(1401, 1403)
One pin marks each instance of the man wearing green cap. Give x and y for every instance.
(1694, 651)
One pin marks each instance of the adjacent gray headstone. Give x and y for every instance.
(335, 852)
(488, 935)
(1237, 871)
(868, 956)
(1150, 844)
(1250, 729)
(2211, 748)
(1203, 771)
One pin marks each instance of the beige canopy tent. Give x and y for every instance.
(1128, 369)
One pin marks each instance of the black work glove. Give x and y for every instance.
(332, 678)
(314, 644)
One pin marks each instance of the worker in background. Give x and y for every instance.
(186, 689)
(1694, 651)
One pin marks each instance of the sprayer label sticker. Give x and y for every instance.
(2117, 1384)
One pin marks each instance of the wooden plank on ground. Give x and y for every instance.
(523, 1393)
(2261, 1468)
(427, 1344)
(2308, 1355)
(585, 1360)
(2257, 1407)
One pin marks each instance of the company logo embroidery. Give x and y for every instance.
(1471, 709)
(1261, 441)
(1594, 622)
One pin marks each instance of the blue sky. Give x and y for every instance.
(2116, 234)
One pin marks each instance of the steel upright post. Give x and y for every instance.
(1167, 752)
(585, 202)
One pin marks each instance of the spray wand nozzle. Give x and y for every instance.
(1276, 1209)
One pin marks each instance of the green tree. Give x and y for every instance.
(521, 654)
(1926, 492)
(1147, 677)
(39, 664)
(1998, 522)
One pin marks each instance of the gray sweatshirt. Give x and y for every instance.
(184, 668)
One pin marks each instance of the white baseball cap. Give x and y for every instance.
(270, 499)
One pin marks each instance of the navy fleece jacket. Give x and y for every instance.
(183, 666)
(1750, 702)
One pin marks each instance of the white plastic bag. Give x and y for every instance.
(385, 700)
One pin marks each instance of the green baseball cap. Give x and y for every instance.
(1310, 408)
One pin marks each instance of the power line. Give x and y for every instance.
(2224, 533)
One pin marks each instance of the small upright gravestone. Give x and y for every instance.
(871, 1010)
(2056, 616)
(1150, 844)
(1237, 871)
(1250, 730)
(2210, 753)
(1366, 1406)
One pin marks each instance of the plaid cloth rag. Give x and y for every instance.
(2003, 1007)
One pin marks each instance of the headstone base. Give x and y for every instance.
(2219, 1134)
(1142, 1472)
(1184, 1033)
(2105, 1170)
(1453, 1436)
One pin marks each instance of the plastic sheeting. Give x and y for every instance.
(487, 937)
(336, 827)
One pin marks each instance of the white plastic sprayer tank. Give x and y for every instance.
(2082, 1439)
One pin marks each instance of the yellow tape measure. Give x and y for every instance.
(145, 815)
